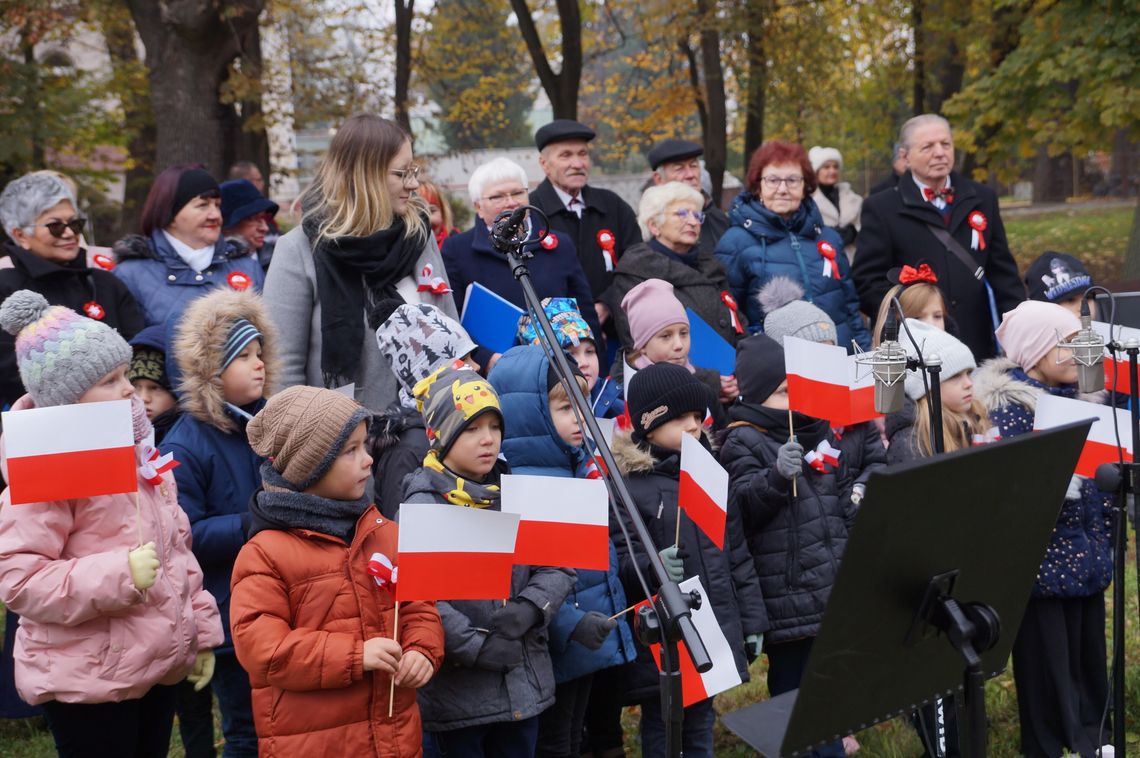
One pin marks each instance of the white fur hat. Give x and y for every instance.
(956, 357)
(821, 155)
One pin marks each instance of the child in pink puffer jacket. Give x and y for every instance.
(106, 624)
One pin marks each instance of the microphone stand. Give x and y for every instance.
(670, 620)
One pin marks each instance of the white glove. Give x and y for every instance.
(1074, 491)
(143, 563)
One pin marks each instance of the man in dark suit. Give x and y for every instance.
(679, 160)
(902, 227)
(600, 223)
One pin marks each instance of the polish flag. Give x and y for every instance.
(703, 491)
(448, 552)
(1100, 447)
(562, 522)
(1116, 366)
(723, 675)
(823, 382)
(70, 451)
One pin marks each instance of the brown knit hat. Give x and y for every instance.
(302, 430)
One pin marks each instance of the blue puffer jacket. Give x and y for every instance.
(607, 398)
(163, 284)
(531, 446)
(760, 245)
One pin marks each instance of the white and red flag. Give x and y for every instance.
(823, 456)
(447, 552)
(823, 382)
(70, 451)
(723, 675)
(562, 522)
(703, 491)
(1100, 446)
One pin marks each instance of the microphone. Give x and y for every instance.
(506, 228)
(1088, 353)
(888, 365)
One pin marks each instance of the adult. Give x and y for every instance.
(364, 237)
(679, 160)
(671, 219)
(939, 217)
(601, 224)
(776, 230)
(247, 216)
(439, 211)
(39, 215)
(181, 253)
(898, 167)
(249, 171)
(838, 203)
(501, 185)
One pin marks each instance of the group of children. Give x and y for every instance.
(256, 574)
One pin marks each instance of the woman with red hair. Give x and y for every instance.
(775, 229)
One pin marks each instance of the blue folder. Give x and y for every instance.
(707, 349)
(491, 320)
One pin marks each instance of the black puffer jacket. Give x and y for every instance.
(399, 443)
(727, 575)
(900, 434)
(862, 447)
(796, 544)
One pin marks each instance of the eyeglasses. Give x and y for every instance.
(773, 182)
(502, 197)
(684, 214)
(56, 228)
(411, 172)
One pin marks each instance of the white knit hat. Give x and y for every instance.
(821, 155)
(956, 357)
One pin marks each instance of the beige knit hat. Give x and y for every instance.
(302, 430)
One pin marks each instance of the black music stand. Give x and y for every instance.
(952, 543)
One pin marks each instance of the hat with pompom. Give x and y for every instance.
(789, 315)
(61, 354)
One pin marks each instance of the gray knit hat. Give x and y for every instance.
(61, 354)
(956, 357)
(416, 339)
(789, 315)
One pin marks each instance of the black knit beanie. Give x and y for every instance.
(661, 393)
(192, 183)
(759, 368)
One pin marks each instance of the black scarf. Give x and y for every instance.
(809, 431)
(350, 269)
(283, 508)
(831, 192)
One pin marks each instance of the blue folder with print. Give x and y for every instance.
(491, 320)
(707, 349)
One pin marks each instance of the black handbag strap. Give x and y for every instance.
(955, 247)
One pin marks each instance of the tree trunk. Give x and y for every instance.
(716, 137)
(1122, 174)
(918, 96)
(1052, 177)
(32, 94)
(561, 87)
(1132, 254)
(404, 15)
(189, 47)
(757, 81)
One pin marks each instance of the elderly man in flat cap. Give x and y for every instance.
(601, 224)
(679, 160)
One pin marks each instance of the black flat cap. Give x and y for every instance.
(671, 150)
(561, 130)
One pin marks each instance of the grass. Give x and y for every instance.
(1098, 237)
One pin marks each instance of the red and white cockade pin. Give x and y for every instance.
(383, 572)
(154, 465)
(104, 262)
(830, 267)
(239, 281)
(730, 301)
(978, 223)
(607, 241)
(434, 284)
(92, 309)
(549, 242)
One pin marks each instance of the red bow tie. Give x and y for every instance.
(946, 193)
(923, 273)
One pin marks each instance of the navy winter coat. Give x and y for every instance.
(532, 446)
(760, 245)
(607, 398)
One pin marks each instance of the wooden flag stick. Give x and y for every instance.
(395, 637)
(792, 433)
(622, 613)
(677, 536)
(138, 525)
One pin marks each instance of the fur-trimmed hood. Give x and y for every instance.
(632, 458)
(996, 387)
(198, 344)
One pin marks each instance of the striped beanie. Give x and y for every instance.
(241, 334)
(60, 354)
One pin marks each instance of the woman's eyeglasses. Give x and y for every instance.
(685, 213)
(773, 182)
(519, 195)
(412, 173)
(56, 228)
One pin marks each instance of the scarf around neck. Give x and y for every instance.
(457, 490)
(352, 274)
(198, 259)
(280, 506)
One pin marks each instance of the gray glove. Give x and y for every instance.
(593, 629)
(790, 460)
(753, 644)
(515, 619)
(499, 654)
(674, 559)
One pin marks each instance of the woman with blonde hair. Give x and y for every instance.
(364, 237)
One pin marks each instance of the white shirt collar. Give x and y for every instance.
(922, 186)
(199, 259)
(566, 198)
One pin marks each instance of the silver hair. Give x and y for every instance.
(26, 198)
(656, 200)
(492, 172)
(917, 121)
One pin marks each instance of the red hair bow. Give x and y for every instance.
(924, 273)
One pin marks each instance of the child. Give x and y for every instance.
(151, 381)
(919, 295)
(310, 623)
(1059, 659)
(107, 624)
(544, 439)
(576, 338)
(964, 419)
(223, 347)
(667, 402)
(497, 675)
(1059, 278)
(796, 538)
(659, 330)
(415, 339)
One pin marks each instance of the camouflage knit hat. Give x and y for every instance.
(450, 399)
